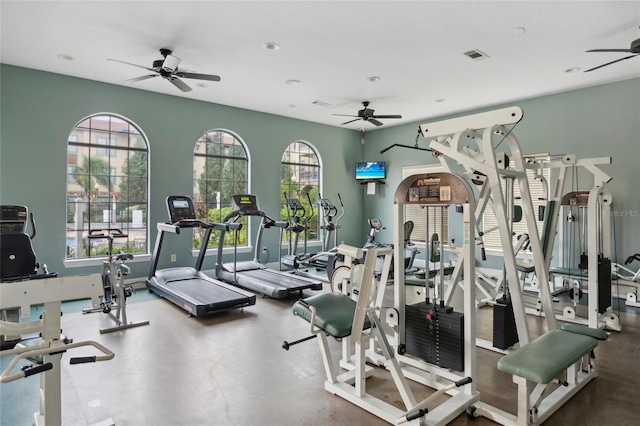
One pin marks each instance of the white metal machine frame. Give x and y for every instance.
(598, 217)
(49, 292)
(351, 385)
(450, 140)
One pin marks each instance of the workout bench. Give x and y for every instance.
(535, 366)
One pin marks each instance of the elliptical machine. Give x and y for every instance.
(410, 252)
(115, 290)
(299, 224)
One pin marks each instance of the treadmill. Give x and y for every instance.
(190, 288)
(253, 275)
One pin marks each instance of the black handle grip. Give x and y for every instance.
(416, 414)
(38, 369)
(632, 258)
(484, 254)
(464, 381)
(82, 359)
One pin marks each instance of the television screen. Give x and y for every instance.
(369, 170)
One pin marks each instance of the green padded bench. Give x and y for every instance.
(545, 359)
(334, 313)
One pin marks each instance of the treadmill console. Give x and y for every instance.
(180, 208)
(245, 203)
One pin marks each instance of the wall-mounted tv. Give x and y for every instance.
(371, 170)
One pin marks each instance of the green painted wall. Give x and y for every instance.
(39, 110)
(593, 122)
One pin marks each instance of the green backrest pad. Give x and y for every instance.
(546, 357)
(334, 313)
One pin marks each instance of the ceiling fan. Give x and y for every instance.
(367, 114)
(167, 68)
(634, 50)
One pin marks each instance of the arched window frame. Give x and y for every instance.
(301, 165)
(215, 209)
(102, 144)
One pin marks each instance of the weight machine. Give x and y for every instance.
(593, 210)
(567, 350)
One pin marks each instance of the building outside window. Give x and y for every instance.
(220, 169)
(106, 187)
(299, 176)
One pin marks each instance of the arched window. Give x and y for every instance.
(220, 169)
(107, 185)
(299, 175)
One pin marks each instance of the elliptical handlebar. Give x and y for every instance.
(305, 221)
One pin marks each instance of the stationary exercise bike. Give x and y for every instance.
(115, 291)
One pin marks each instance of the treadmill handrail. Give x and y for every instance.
(168, 227)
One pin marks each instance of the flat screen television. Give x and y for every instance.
(371, 170)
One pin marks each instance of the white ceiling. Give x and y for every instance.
(332, 47)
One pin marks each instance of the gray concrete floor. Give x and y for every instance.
(230, 369)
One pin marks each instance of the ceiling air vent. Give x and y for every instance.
(476, 55)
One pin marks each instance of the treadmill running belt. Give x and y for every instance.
(289, 282)
(204, 292)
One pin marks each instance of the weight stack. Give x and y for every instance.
(435, 334)
(505, 333)
(604, 284)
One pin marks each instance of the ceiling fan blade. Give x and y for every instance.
(345, 115)
(208, 77)
(610, 50)
(135, 65)
(179, 84)
(143, 77)
(612, 62)
(374, 121)
(350, 121)
(387, 116)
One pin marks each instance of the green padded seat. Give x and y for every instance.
(334, 313)
(596, 333)
(546, 357)
(528, 268)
